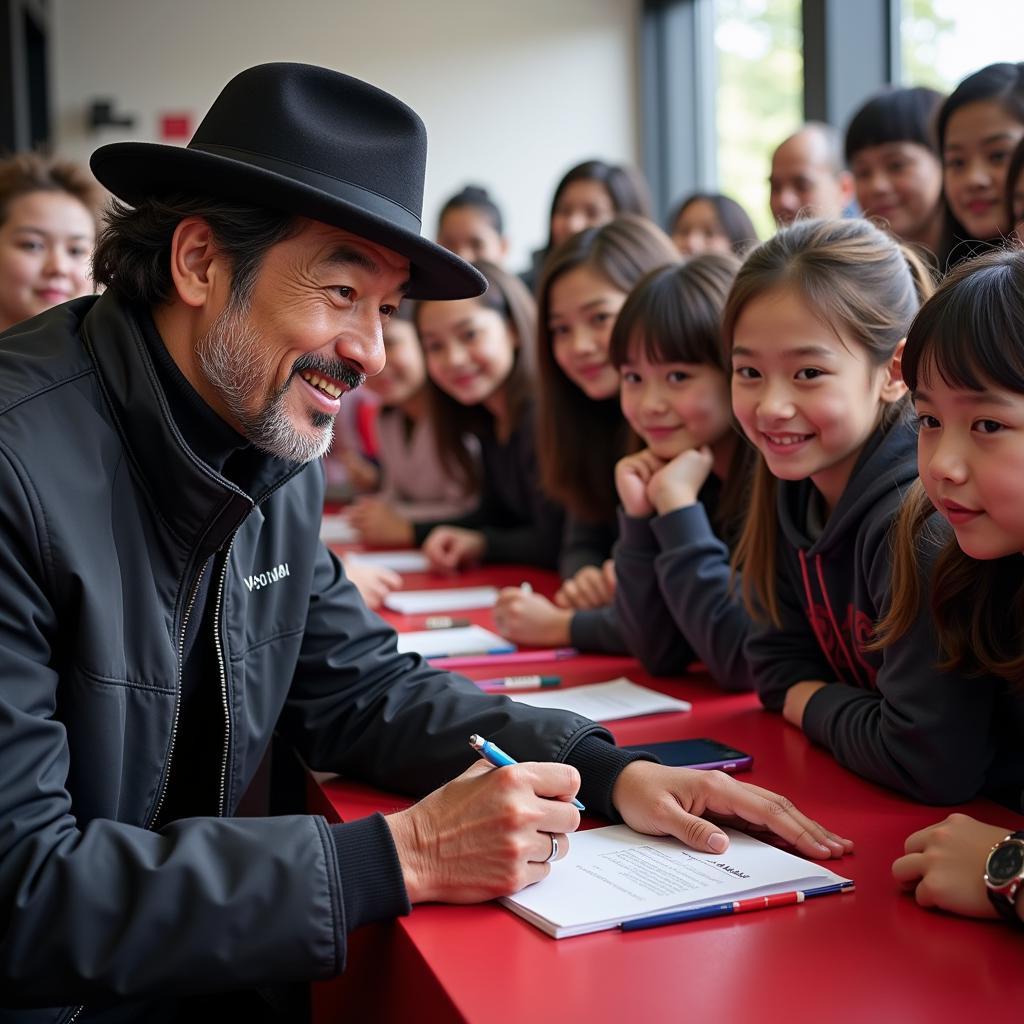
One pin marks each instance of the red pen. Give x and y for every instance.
(779, 899)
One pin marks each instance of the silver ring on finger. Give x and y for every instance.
(554, 848)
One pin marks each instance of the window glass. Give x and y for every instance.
(759, 97)
(943, 41)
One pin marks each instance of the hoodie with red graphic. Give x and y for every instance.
(891, 715)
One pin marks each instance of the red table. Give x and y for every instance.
(866, 957)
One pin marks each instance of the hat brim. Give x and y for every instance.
(134, 171)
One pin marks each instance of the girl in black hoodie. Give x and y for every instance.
(964, 363)
(815, 324)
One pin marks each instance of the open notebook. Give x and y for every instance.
(612, 875)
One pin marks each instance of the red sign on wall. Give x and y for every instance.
(176, 127)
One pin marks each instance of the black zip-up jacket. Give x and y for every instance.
(105, 518)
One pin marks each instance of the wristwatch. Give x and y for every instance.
(1004, 875)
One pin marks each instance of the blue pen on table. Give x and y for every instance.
(779, 899)
(520, 682)
(489, 752)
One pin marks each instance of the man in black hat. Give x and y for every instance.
(165, 603)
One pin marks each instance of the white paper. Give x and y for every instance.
(605, 702)
(427, 602)
(614, 874)
(446, 643)
(400, 561)
(336, 529)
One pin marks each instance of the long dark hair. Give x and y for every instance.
(1013, 173)
(579, 439)
(674, 315)
(735, 221)
(452, 421)
(1005, 84)
(626, 187)
(970, 333)
(861, 282)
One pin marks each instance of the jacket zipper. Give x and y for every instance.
(177, 701)
(218, 643)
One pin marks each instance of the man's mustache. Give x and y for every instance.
(335, 369)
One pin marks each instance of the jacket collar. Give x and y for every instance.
(198, 505)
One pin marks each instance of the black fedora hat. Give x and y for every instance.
(308, 141)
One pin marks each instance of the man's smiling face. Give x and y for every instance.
(279, 363)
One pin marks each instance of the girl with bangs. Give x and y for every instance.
(897, 174)
(814, 326)
(964, 363)
(683, 494)
(581, 431)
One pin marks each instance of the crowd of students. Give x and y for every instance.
(798, 461)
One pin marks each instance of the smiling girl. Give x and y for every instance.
(471, 226)
(581, 431)
(683, 494)
(416, 487)
(978, 127)
(479, 357)
(48, 215)
(897, 173)
(711, 222)
(964, 361)
(814, 326)
(589, 195)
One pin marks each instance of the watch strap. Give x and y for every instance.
(1005, 900)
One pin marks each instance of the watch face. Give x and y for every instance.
(1005, 862)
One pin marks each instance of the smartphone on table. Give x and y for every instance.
(697, 753)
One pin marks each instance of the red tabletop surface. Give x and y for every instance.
(873, 955)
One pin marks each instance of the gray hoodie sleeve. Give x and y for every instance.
(706, 604)
(597, 629)
(675, 597)
(924, 732)
(647, 626)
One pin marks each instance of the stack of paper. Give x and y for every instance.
(400, 561)
(428, 602)
(604, 702)
(445, 643)
(336, 529)
(613, 875)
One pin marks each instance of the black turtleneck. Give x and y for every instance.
(195, 768)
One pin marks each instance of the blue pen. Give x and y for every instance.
(489, 752)
(504, 649)
(779, 899)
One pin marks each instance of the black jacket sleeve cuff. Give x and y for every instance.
(372, 886)
(600, 763)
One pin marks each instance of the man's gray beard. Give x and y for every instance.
(234, 360)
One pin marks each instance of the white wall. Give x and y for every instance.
(512, 93)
